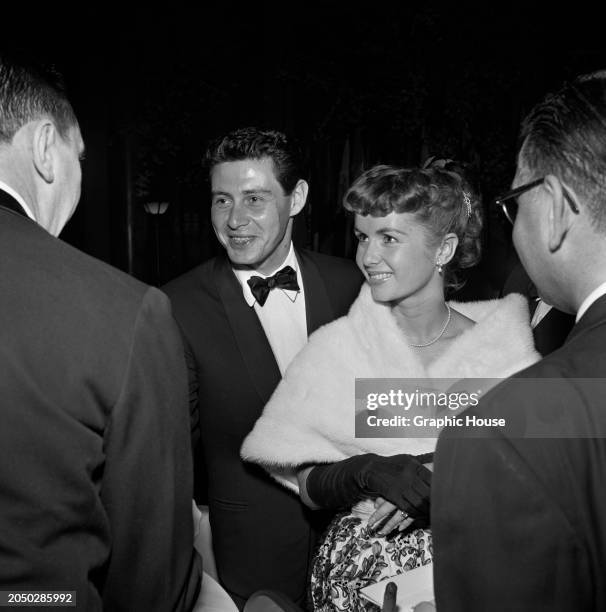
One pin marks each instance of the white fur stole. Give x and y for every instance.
(310, 417)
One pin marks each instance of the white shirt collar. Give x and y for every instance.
(244, 275)
(540, 312)
(19, 199)
(598, 292)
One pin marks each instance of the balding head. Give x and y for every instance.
(40, 142)
(560, 228)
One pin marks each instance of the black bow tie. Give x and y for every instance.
(286, 278)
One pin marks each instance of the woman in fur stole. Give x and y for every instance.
(416, 230)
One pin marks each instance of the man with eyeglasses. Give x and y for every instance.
(519, 511)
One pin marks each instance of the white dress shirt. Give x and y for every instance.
(539, 313)
(283, 315)
(597, 293)
(19, 199)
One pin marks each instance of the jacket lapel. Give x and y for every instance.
(248, 332)
(7, 201)
(318, 309)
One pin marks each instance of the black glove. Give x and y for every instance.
(400, 479)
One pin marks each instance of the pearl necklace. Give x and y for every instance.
(439, 335)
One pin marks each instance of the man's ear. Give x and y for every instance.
(559, 215)
(447, 249)
(44, 141)
(298, 197)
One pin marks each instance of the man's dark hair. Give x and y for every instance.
(254, 143)
(565, 135)
(28, 93)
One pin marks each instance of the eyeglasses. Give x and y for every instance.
(509, 201)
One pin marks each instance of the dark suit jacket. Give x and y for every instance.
(261, 532)
(95, 473)
(519, 522)
(553, 328)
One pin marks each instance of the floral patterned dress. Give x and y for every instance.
(352, 557)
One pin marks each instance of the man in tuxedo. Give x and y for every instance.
(519, 512)
(95, 472)
(244, 315)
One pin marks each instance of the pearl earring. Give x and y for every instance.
(440, 267)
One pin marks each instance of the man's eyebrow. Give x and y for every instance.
(259, 190)
(245, 192)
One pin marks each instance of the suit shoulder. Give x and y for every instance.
(98, 276)
(574, 359)
(559, 396)
(83, 300)
(323, 259)
(196, 291)
(201, 277)
(30, 252)
(113, 275)
(515, 392)
(331, 266)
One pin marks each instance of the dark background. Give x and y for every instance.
(357, 84)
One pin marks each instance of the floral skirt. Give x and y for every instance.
(350, 558)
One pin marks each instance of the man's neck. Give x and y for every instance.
(268, 270)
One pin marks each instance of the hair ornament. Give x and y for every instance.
(438, 162)
(467, 201)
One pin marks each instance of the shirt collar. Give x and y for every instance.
(20, 200)
(244, 275)
(598, 292)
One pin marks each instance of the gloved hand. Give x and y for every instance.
(401, 479)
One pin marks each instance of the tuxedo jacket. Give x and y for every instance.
(520, 522)
(95, 467)
(554, 327)
(262, 535)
